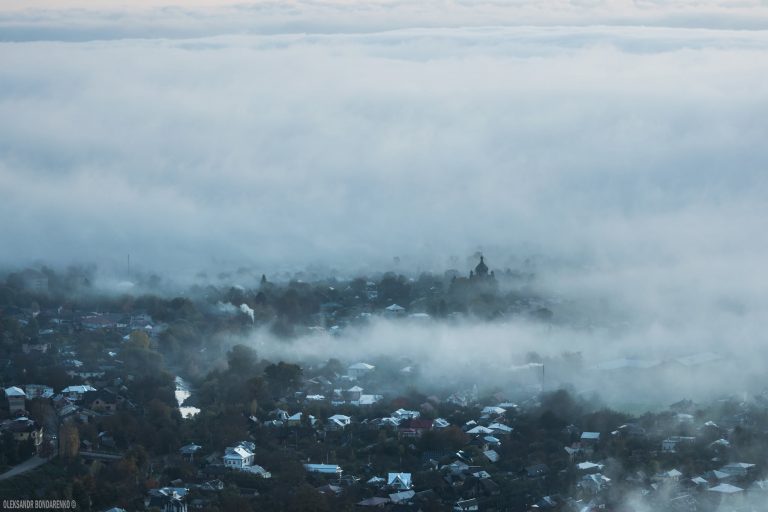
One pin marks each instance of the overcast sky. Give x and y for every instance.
(622, 135)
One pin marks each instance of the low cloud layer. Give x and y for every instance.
(633, 157)
(634, 145)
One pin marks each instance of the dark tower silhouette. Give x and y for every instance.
(481, 270)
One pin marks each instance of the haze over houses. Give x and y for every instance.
(106, 402)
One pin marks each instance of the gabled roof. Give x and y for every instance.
(737, 465)
(322, 468)
(15, 391)
(440, 423)
(78, 389)
(402, 496)
(480, 430)
(369, 399)
(399, 479)
(361, 366)
(373, 502)
(725, 489)
(237, 453)
(190, 448)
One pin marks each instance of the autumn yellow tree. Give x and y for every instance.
(69, 441)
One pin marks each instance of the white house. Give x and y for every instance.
(16, 399)
(339, 421)
(737, 469)
(76, 392)
(500, 428)
(394, 310)
(492, 410)
(239, 456)
(358, 370)
(403, 414)
(399, 481)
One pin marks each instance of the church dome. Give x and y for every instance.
(481, 269)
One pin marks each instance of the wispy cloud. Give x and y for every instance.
(350, 133)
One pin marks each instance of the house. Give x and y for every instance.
(325, 469)
(376, 481)
(38, 391)
(394, 310)
(368, 400)
(42, 348)
(725, 489)
(440, 423)
(279, 415)
(670, 444)
(190, 450)
(239, 456)
(376, 502)
(212, 485)
(594, 483)
(471, 505)
(330, 490)
(102, 400)
(589, 467)
(479, 429)
(536, 471)
(403, 414)
(106, 440)
(167, 499)
(738, 469)
(590, 438)
(402, 496)
(23, 429)
(493, 410)
(338, 422)
(358, 370)
(76, 393)
(500, 428)
(491, 455)
(96, 321)
(399, 481)
(414, 427)
(257, 470)
(16, 399)
(353, 394)
(295, 420)
(86, 373)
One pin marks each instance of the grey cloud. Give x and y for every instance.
(636, 155)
